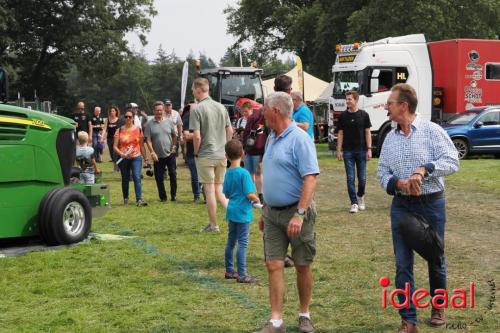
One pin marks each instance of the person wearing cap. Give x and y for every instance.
(140, 117)
(174, 116)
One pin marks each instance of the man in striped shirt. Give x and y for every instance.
(415, 157)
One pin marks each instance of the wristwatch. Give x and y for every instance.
(300, 212)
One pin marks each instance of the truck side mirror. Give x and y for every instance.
(374, 81)
(373, 84)
(478, 124)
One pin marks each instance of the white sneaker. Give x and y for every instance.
(361, 203)
(354, 208)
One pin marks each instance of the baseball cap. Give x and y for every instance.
(133, 105)
(167, 101)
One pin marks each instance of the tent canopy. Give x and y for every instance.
(324, 97)
(313, 87)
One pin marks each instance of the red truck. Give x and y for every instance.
(449, 77)
(466, 74)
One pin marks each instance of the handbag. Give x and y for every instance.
(251, 140)
(421, 237)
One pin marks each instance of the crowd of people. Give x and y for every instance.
(273, 166)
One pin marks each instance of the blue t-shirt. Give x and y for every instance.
(237, 185)
(304, 115)
(287, 160)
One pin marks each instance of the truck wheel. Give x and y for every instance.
(462, 148)
(67, 217)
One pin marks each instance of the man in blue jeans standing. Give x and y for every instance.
(415, 157)
(354, 146)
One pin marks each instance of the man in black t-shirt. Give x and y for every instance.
(82, 120)
(354, 146)
(97, 126)
(190, 159)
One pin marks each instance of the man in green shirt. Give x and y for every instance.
(211, 130)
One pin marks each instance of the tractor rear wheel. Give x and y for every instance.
(67, 217)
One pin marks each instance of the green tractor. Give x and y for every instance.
(37, 194)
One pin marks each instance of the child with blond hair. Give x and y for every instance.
(85, 159)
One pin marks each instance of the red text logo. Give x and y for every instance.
(460, 298)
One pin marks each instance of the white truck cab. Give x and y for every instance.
(372, 68)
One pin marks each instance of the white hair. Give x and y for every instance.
(282, 101)
(297, 94)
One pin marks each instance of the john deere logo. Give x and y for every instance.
(473, 55)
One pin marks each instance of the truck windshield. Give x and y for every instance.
(241, 85)
(345, 81)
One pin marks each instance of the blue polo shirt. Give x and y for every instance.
(304, 115)
(288, 158)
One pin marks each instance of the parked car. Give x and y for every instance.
(476, 131)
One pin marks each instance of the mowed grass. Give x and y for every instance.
(169, 278)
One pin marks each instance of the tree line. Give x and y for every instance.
(69, 50)
(312, 28)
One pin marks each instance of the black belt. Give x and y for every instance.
(423, 197)
(285, 207)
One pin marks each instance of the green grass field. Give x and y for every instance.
(169, 278)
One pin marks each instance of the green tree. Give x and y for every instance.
(437, 19)
(311, 29)
(42, 39)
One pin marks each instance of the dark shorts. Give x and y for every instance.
(276, 239)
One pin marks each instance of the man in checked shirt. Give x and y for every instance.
(415, 157)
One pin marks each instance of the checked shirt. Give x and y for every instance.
(427, 145)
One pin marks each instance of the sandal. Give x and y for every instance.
(246, 279)
(232, 275)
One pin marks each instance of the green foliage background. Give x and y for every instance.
(312, 28)
(70, 50)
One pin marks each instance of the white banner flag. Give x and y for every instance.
(184, 82)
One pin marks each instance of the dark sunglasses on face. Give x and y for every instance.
(128, 117)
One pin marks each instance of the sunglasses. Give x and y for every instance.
(128, 117)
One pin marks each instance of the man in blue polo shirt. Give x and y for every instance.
(302, 114)
(290, 168)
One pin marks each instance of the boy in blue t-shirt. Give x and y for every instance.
(240, 190)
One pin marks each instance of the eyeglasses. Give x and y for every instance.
(128, 117)
(389, 103)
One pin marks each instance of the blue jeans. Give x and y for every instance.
(237, 232)
(434, 212)
(251, 163)
(95, 145)
(355, 162)
(131, 165)
(195, 184)
(159, 171)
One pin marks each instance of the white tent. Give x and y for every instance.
(324, 97)
(313, 87)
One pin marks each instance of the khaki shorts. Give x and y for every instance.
(210, 171)
(276, 239)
